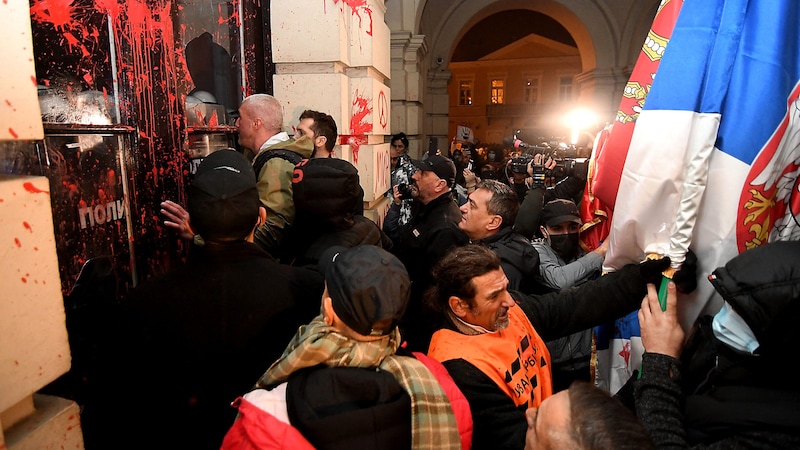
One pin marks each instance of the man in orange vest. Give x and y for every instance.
(492, 341)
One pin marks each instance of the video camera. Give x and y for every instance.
(566, 166)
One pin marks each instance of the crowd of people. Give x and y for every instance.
(461, 323)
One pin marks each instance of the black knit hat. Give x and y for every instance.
(223, 199)
(367, 284)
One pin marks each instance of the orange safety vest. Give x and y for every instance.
(515, 358)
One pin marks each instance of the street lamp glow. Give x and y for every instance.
(579, 120)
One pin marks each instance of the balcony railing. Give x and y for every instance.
(513, 110)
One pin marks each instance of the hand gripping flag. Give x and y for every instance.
(715, 155)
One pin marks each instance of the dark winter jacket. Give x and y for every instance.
(432, 231)
(717, 397)
(519, 259)
(329, 204)
(192, 341)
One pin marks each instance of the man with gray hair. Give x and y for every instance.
(260, 125)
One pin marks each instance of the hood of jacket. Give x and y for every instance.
(763, 286)
(514, 249)
(303, 146)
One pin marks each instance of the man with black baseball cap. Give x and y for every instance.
(194, 339)
(564, 264)
(327, 398)
(431, 232)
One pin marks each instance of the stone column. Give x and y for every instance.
(408, 51)
(437, 109)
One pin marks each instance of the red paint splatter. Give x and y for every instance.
(57, 12)
(16, 241)
(13, 133)
(33, 189)
(355, 143)
(110, 7)
(214, 120)
(8, 103)
(355, 7)
(33, 79)
(361, 109)
(27, 226)
(24, 280)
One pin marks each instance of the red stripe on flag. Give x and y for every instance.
(610, 159)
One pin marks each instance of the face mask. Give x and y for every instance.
(732, 330)
(566, 245)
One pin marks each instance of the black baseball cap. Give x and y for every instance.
(222, 198)
(559, 211)
(367, 284)
(442, 166)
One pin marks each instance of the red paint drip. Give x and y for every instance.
(355, 7)
(13, 133)
(361, 109)
(27, 226)
(355, 143)
(33, 189)
(8, 103)
(17, 242)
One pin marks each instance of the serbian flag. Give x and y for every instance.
(714, 158)
(611, 154)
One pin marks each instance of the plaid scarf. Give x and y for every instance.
(433, 425)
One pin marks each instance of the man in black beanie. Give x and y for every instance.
(194, 339)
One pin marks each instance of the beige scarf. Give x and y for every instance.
(432, 420)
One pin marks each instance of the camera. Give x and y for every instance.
(566, 166)
(520, 163)
(571, 167)
(404, 190)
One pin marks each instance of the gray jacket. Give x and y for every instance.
(574, 351)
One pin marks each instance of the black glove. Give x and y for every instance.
(651, 269)
(685, 278)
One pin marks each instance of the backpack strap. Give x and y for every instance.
(288, 155)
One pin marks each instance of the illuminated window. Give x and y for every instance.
(565, 89)
(531, 90)
(465, 92)
(498, 91)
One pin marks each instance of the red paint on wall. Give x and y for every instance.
(13, 133)
(355, 143)
(358, 118)
(33, 189)
(356, 8)
(27, 226)
(57, 12)
(17, 242)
